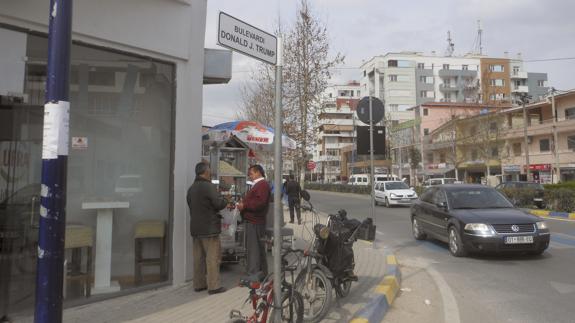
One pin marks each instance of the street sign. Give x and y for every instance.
(378, 140)
(311, 165)
(246, 39)
(363, 109)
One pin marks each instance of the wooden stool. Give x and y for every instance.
(78, 238)
(149, 231)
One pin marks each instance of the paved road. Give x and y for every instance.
(478, 288)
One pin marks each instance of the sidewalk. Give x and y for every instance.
(182, 304)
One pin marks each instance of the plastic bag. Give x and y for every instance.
(230, 221)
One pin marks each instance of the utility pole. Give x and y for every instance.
(50, 267)
(371, 177)
(524, 100)
(557, 174)
(278, 184)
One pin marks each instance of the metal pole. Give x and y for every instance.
(556, 178)
(372, 178)
(277, 185)
(400, 172)
(528, 171)
(50, 271)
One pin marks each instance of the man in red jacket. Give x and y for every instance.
(254, 208)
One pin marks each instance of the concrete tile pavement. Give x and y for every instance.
(182, 304)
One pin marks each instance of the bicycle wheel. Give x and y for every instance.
(316, 294)
(292, 310)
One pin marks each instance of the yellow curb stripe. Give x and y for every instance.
(359, 320)
(540, 213)
(387, 291)
(391, 260)
(391, 281)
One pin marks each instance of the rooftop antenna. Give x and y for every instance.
(478, 43)
(450, 45)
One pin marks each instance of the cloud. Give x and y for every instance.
(362, 29)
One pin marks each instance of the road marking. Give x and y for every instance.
(555, 245)
(563, 288)
(562, 239)
(556, 219)
(450, 308)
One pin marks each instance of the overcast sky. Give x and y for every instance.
(360, 29)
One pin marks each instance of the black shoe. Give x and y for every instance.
(200, 289)
(298, 221)
(290, 221)
(217, 291)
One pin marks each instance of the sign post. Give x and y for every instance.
(251, 41)
(371, 110)
(50, 272)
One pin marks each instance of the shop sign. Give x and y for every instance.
(511, 168)
(437, 166)
(539, 167)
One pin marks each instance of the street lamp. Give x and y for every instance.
(524, 99)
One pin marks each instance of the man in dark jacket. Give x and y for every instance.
(254, 208)
(293, 191)
(205, 227)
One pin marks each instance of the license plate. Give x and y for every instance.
(519, 239)
(538, 200)
(406, 200)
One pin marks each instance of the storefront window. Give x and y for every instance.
(118, 189)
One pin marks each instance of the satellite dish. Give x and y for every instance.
(377, 108)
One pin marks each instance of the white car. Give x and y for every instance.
(394, 193)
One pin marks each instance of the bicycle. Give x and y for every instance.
(316, 280)
(261, 297)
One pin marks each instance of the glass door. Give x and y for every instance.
(20, 166)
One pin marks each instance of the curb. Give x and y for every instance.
(383, 295)
(553, 214)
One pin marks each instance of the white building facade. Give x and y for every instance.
(137, 72)
(403, 80)
(336, 129)
(406, 79)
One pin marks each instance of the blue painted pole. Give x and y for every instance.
(50, 270)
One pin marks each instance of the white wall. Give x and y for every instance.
(170, 30)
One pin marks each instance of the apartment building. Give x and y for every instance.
(493, 144)
(336, 129)
(416, 133)
(406, 79)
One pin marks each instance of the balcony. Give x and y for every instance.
(339, 145)
(328, 158)
(520, 89)
(457, 73)
(449, 88)
(519, 75)
(470, 86)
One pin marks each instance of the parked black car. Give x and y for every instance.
(538, 194)
(476, 218)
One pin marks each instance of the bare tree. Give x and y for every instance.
(257, 96)
(306, 73)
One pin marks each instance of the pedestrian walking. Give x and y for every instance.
(205, 227)
(254, 208)
(293, 191)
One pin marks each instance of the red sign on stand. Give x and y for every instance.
(311, 165)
